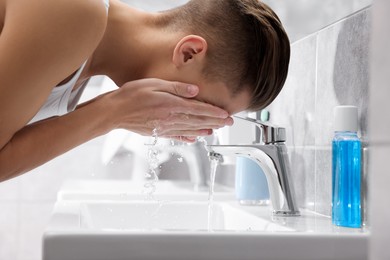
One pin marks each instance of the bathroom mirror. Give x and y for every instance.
(300, 17)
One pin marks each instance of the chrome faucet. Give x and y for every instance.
(270, 152)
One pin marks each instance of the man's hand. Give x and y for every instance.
(144, 105)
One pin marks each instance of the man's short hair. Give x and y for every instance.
(248, 48)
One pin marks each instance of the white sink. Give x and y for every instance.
(126, 229)
(152, 216)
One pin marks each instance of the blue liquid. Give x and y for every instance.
(251, 183)
(346, 168)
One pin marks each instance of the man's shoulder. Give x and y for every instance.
(55, 13)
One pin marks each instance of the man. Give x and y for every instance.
(232, 54)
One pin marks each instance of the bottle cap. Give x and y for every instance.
(264, 115)
(346, 119)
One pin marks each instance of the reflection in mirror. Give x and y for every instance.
(300, 17)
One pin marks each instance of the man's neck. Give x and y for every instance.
(132, 47)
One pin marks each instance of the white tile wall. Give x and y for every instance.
(327, 69)
(379, 173)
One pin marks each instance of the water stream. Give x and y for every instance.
(214, 162)
(151, 176)
(213, 169)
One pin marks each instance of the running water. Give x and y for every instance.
(151, 175)
(213, 169)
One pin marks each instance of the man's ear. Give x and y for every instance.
(189, 49)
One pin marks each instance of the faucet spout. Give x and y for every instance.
(273, 159)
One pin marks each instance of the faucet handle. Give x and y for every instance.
(268, 133)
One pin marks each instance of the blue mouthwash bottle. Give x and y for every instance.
(346, 168)
(251, 184)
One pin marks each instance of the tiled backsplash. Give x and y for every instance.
(328, 68)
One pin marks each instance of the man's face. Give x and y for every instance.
(219, 95)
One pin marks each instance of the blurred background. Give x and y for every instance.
(26, 202)
(300, 17)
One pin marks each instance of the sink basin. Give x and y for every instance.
(111, 220)
(153, 216)
(173, 230)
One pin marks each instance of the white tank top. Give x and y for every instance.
(62, 99)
